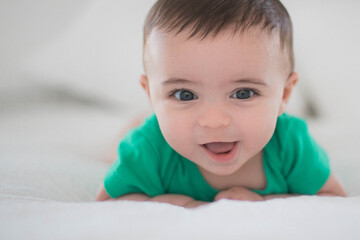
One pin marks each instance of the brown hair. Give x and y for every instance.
(209, 17)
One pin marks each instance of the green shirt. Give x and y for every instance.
(293, 163)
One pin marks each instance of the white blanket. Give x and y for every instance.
(295, 218)
(52, 161)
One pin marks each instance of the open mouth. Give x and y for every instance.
(221, 151)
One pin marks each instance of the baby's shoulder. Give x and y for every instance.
(144, 151)
(148, 132)
(144, 142)
(289, 132)
(289, 127)
(287, 123)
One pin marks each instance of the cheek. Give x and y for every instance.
(258, 124)
(176, 128)
(174, 124)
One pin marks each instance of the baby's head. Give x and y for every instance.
(218, 74)
(208, 18)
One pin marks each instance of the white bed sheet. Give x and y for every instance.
(52, 161)
(295, 218)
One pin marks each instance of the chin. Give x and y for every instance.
(221, 170)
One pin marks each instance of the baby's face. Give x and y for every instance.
(216, 100)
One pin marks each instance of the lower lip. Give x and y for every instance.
(224, 157)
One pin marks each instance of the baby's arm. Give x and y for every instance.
(332, 187)
(174, 199)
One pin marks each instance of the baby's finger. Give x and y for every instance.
(222, 195)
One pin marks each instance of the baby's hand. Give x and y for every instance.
(239, 193)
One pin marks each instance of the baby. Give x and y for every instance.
(219, 75)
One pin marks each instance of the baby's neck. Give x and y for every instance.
(251, 175)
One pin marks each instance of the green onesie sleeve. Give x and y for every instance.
(305, 164)
(136, 169)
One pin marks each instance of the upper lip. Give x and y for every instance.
(218, 142)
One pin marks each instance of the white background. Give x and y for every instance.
(94, 48)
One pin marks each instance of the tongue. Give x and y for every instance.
(219, 147)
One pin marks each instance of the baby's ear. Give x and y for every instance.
(145, 84)
(289, 86)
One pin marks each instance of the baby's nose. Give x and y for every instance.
(214, 117)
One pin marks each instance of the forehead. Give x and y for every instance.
(252, 52)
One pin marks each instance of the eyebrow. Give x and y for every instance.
(174, 81)
(251, 81)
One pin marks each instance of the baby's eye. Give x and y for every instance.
(184, 95)
(243, 94)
